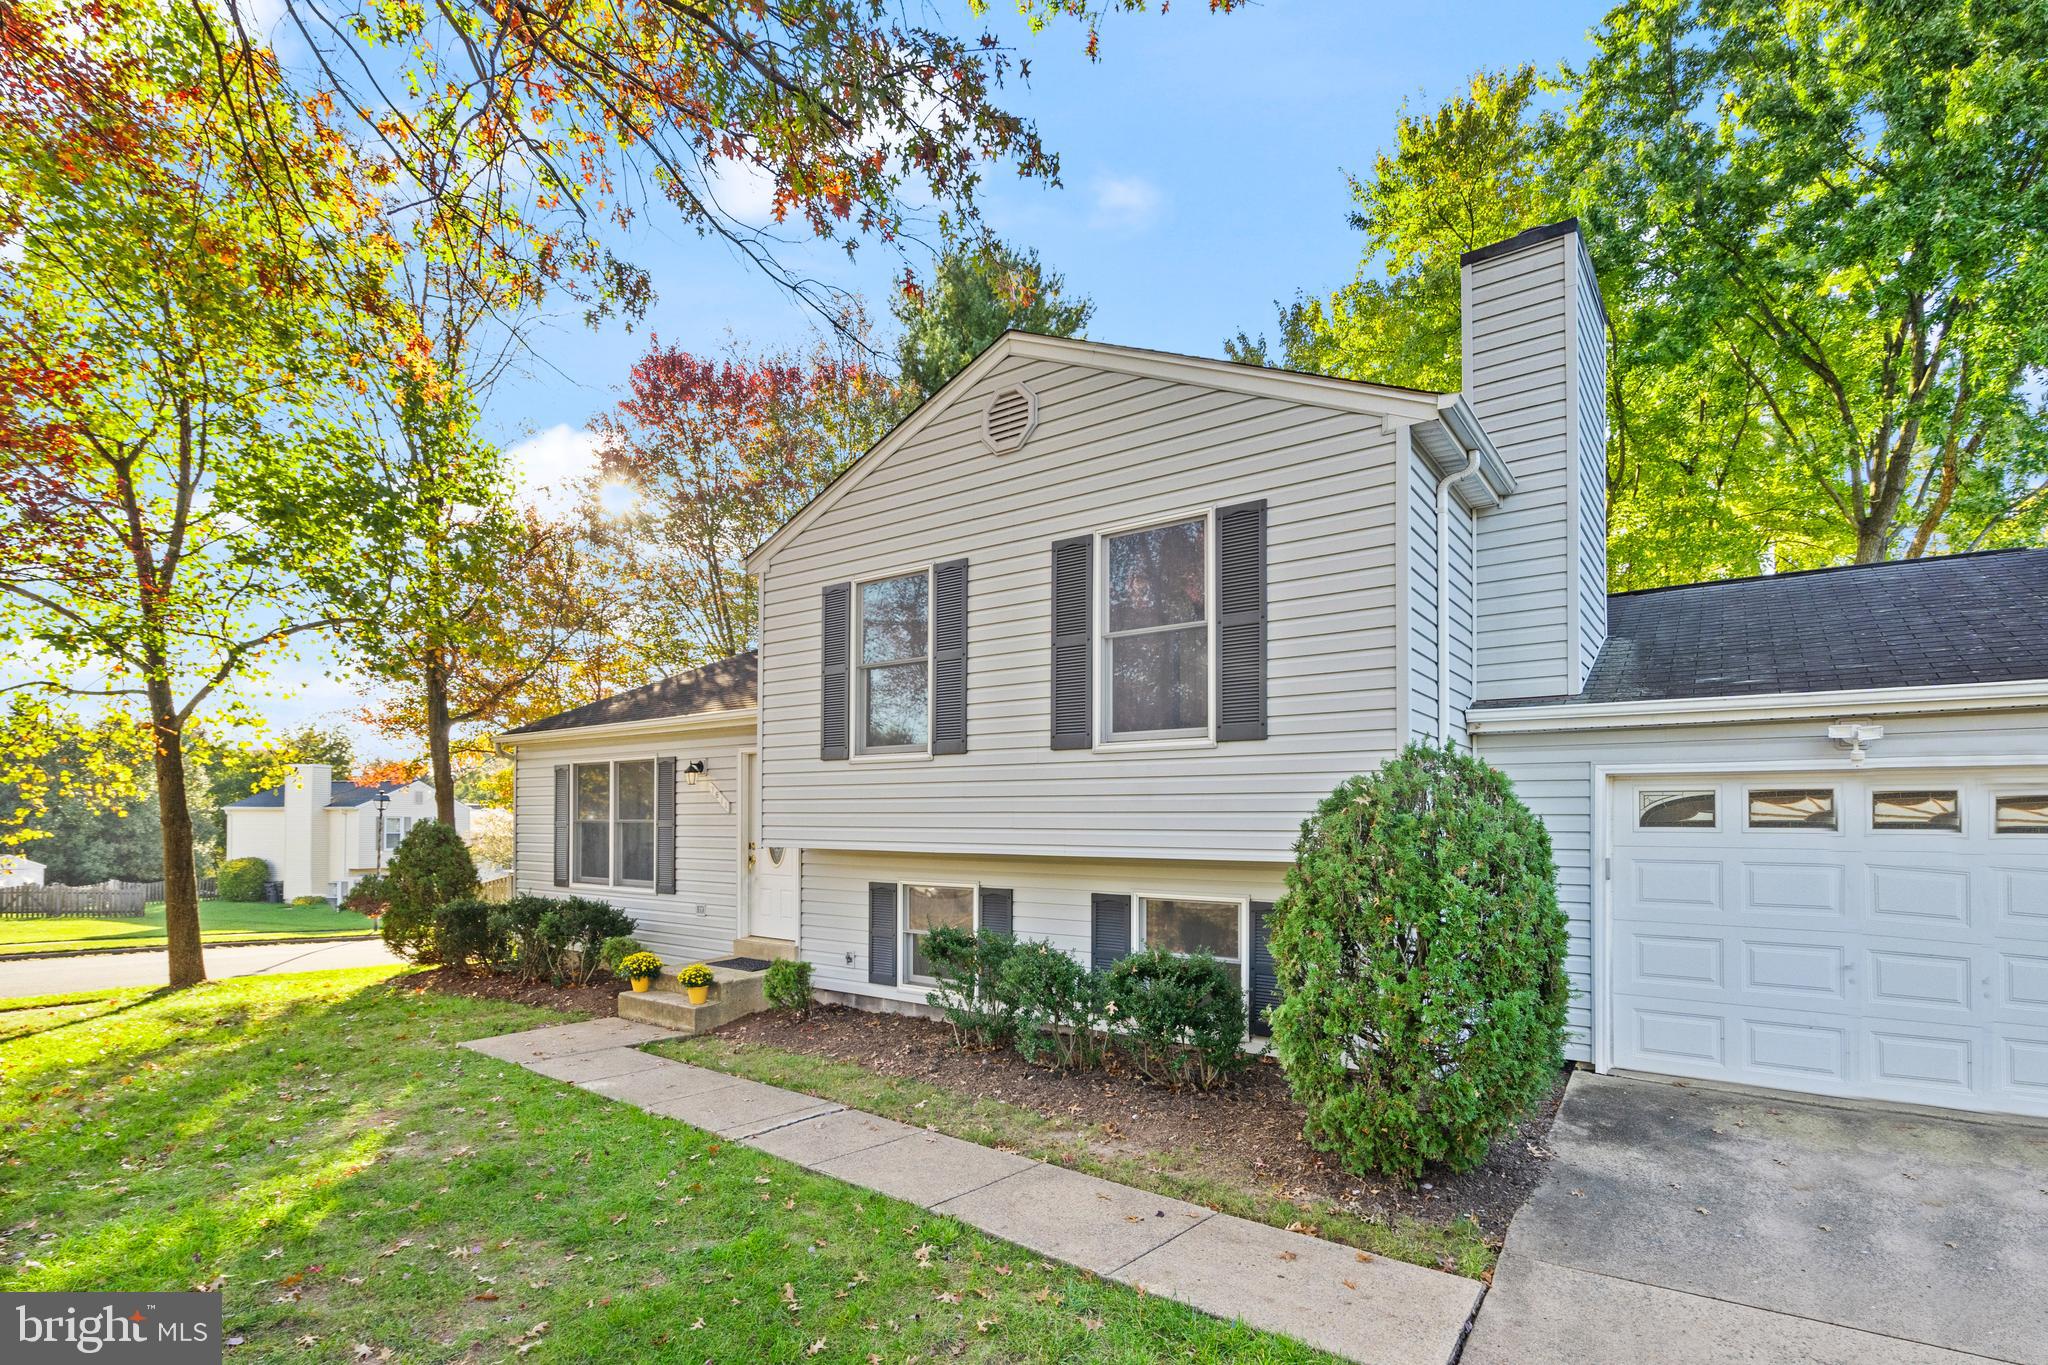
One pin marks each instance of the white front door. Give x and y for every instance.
(1881, 934)
(768, 874)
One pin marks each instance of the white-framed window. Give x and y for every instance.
(1676, 809)
(893, 656)
(396, 827)
(613, 842)
(1188, 924)
(1792, 808)
(1155, 615)
(926, 906)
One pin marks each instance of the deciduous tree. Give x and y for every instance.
(975, 294)
(136, 400)
(715, 452)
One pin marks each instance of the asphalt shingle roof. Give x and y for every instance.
(727, 685)
(1973, 618)
(342, 794)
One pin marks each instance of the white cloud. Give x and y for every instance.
(744, 191)
(1125, 203)
(547, 466)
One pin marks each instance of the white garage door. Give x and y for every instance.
(1881, 935)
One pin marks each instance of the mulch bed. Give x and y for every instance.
(599, 1000)
(1248, 1135)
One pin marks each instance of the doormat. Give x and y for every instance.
(742, 964)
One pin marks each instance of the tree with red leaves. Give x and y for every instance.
(715, 452)
(166, 332)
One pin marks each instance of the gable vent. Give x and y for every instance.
(1008, 421)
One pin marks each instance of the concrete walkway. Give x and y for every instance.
(1328, 1296)
(1693, 1225)
(56, 976)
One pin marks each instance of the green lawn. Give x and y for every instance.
(219, 922)
(360, 1189)
(1459, 1246)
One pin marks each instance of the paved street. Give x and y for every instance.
(29, 976)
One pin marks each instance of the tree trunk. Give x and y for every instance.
(174, 816)
(439, 753)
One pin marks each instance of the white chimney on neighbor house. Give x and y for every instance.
(1535, 343)
(307, 791)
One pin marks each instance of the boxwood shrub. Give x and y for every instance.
(1179, 1020)
(431, 867)
(1420, 955)
(242, 879)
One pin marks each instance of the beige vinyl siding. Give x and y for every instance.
(1052, 900)
(1109, 449)
(697, 921)
(257, 834)
(1423, 647)
(1553, 774)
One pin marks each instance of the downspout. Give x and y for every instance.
(1443, 591)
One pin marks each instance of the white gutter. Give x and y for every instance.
(707, 720)
(1443, 590)
(1766, 706)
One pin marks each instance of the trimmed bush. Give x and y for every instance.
(617, 949)
(463, 936)
(578, 928)
(1059, 1006)
(242, 879)
(527, 949)
(369, 896)
(1420, 953)
(1178, 1019)
(788, 986)
(971, 993)
(430, 868)
(309, 900)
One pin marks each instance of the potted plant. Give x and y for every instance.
(696, 979)
(642, 966)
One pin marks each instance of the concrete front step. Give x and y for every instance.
(768, 949)
(734, 995)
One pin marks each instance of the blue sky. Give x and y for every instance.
(1203, 166)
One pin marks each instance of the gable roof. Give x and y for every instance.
(725, 686)
(1957, 619)
(343, 795)
(1461, 429)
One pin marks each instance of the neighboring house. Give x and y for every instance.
(321, 836)
(16, 870)
(1073, 651)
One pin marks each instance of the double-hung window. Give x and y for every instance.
(1187, 924)
(395, 829)
(1156, 624)
(928, 906)
(895, 682)
(614, 840)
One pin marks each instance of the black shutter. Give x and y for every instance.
(949, 657)
(1241, 621)
(1265, 980)
(834, 646)
(565, 796)
(1072, 632)
(665, 826)
(1109, 936)
(998, 912)
(882, 933)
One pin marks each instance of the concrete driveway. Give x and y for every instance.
(56, 976)
(1682, 1223)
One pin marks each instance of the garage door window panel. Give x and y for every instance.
(2022, 814)
(1799, 808)
(1676, 810)
(1932, 811)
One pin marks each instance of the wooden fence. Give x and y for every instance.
(125, 901)
(498, 888)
